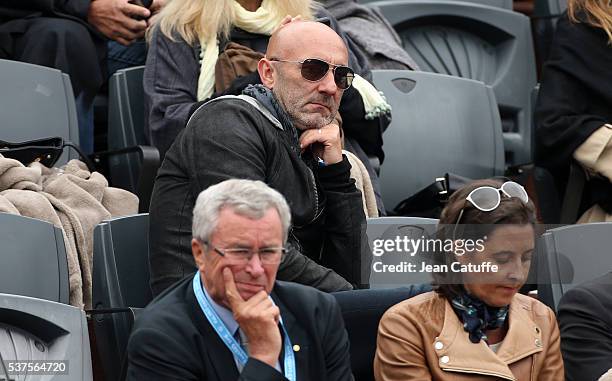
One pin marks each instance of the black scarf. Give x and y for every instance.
(477, 317)
(267, 98)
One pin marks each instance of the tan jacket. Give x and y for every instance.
(423, 339)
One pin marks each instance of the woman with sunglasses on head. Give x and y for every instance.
(475, 325)
(574, 109)
(201, 49)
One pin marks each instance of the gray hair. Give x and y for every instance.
(247, 198)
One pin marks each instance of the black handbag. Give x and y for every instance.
(429, 201)
(45, 151)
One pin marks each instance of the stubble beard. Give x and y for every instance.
(293, 104)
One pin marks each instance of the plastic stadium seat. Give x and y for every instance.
(39, 330)
(362, 310)
(570, 255)
(484, 43)
(126, 129)
(33, 247)
(120, 283)
(388, 228)
(440, 124)
(37, 102)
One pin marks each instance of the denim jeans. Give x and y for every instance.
(122, 57)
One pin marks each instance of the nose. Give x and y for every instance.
(517, 271)
(254, 267)
(327, 85)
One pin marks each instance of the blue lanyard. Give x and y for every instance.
(228, 339)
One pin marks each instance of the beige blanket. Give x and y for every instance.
(362, 181)
(71, 198)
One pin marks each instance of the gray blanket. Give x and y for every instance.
(369, 29)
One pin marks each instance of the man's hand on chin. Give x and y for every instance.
(325, 142)
(258, 318)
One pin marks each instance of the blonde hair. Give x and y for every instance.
(196, 20)
(598, 13)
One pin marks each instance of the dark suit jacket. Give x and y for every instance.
(585, 321)
(173, 340)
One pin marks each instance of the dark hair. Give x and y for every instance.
(511, 210)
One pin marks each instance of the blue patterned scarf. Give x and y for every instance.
(477, 317)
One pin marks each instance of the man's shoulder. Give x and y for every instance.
(225, 108)
(596, 291)
(171, 306)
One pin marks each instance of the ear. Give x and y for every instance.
(266, 72)
(198, 251)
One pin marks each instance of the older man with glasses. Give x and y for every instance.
(232, 320)
(283, 133)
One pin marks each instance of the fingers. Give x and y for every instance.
(134, 26)
(231, 292)
(136, 11)
(275, 312)
(152, 19)
(157, 5)
(125, 36)
(325, 135)
(286, 20)
(123, 41)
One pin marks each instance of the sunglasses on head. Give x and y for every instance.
(487, 198)
(314, 70)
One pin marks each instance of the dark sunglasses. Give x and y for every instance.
(314, 70)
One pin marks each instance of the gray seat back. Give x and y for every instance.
(37, 102)
(440, 124)
(126, 125)
(570, 255)
(120, 280)
(389, 228)
(361, 312)
(484, 43)
(38, 330)
(33, 261)
(506, 4)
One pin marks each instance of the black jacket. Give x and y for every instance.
(575, 97)
(70, 9)
(585, 321)
(230, 138)
(173, 340)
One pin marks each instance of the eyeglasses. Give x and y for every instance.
(240, 256)
(488, 198)
(314, 70)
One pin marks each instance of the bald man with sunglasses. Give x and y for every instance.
(283, 133)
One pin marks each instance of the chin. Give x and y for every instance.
(247, 292)
(312, 121)
(501, 300)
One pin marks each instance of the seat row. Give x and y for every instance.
(442, 121)
(566, 256)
